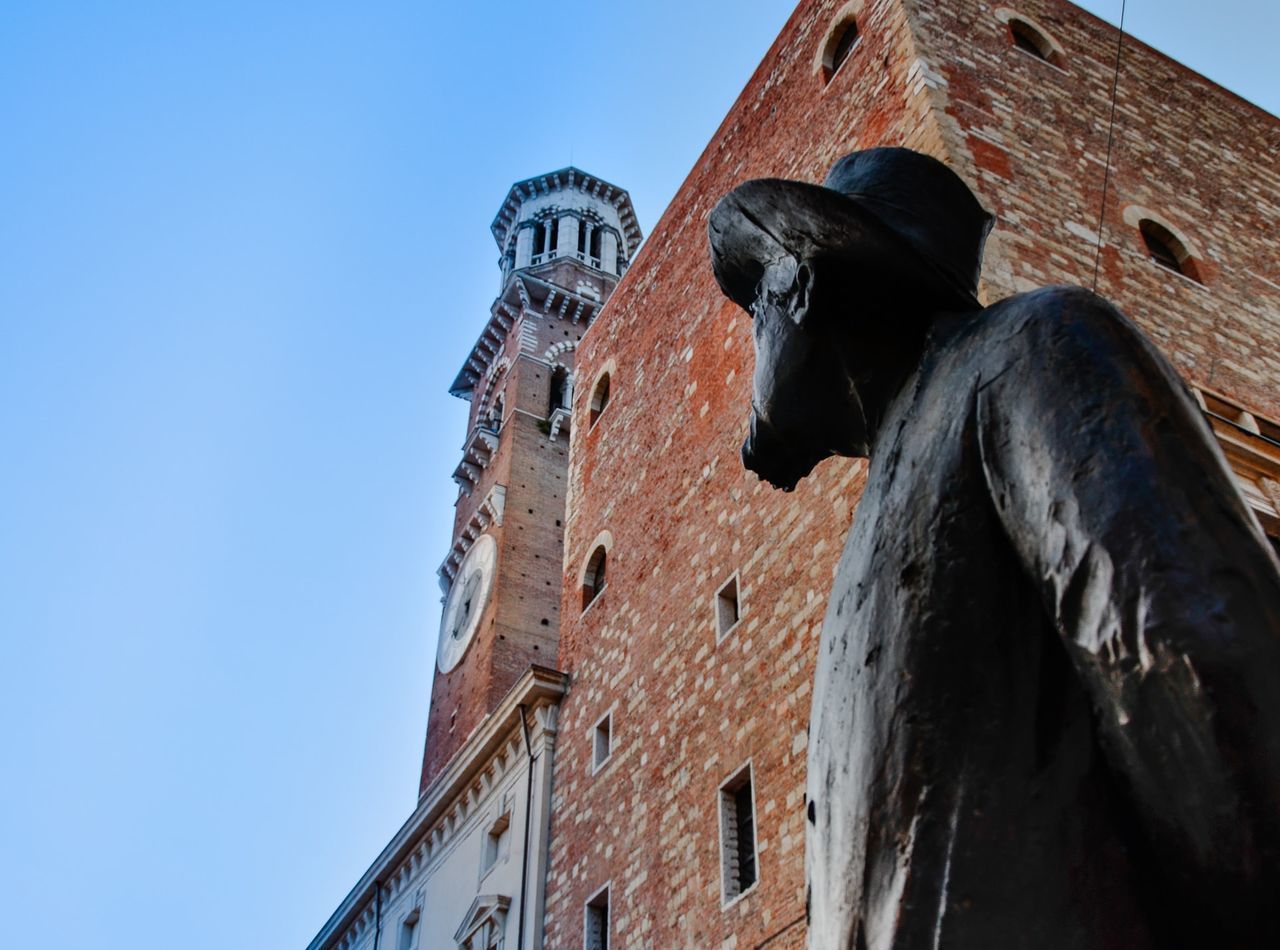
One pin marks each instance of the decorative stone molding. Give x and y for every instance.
(559, 419)
(487, 512)
(556, 349)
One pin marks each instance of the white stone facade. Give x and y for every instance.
(470, 863)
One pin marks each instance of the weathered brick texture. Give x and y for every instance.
(660, 470)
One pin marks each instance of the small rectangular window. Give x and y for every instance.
(596, 928)
(602, 742)
(727, 612)
(409, 930)
(495, 843)
(737, 835)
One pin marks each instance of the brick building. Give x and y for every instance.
(672, 813)
(706, 685)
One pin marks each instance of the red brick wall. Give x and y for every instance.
(661, 472)
(1033, 140)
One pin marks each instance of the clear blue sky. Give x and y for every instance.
(244, 248)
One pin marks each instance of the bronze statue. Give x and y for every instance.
(1047, 702)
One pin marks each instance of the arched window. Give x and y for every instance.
(493, 418)
(1031, 39)
(839, 44)
(559, 390)
(599, 399)
(1166, 250)
(546, 234)
(594, 579)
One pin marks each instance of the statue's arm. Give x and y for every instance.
(1166, 595)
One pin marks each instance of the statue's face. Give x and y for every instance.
(804, 405)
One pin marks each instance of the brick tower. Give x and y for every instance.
(565, 238)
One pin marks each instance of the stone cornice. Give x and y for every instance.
(567, 178)
(523, 293)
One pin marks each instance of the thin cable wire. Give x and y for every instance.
(1111, 126)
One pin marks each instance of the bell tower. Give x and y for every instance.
(564, 240)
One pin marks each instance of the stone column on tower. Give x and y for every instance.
(609, 252)
(567, 245)
(524, 246)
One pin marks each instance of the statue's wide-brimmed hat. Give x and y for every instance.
(900, 217)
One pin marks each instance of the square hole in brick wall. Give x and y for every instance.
(728, 609)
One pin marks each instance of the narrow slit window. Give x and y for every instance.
(596, 930)
(727, 607)
(602, 742)
(737, 835)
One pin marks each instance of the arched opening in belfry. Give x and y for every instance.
(546, 233)
(560, 390)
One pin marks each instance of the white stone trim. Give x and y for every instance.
(823, 55)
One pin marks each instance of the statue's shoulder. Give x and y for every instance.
(1056, 317)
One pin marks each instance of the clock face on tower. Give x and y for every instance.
(466, 602)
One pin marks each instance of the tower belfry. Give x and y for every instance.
(564, 240)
